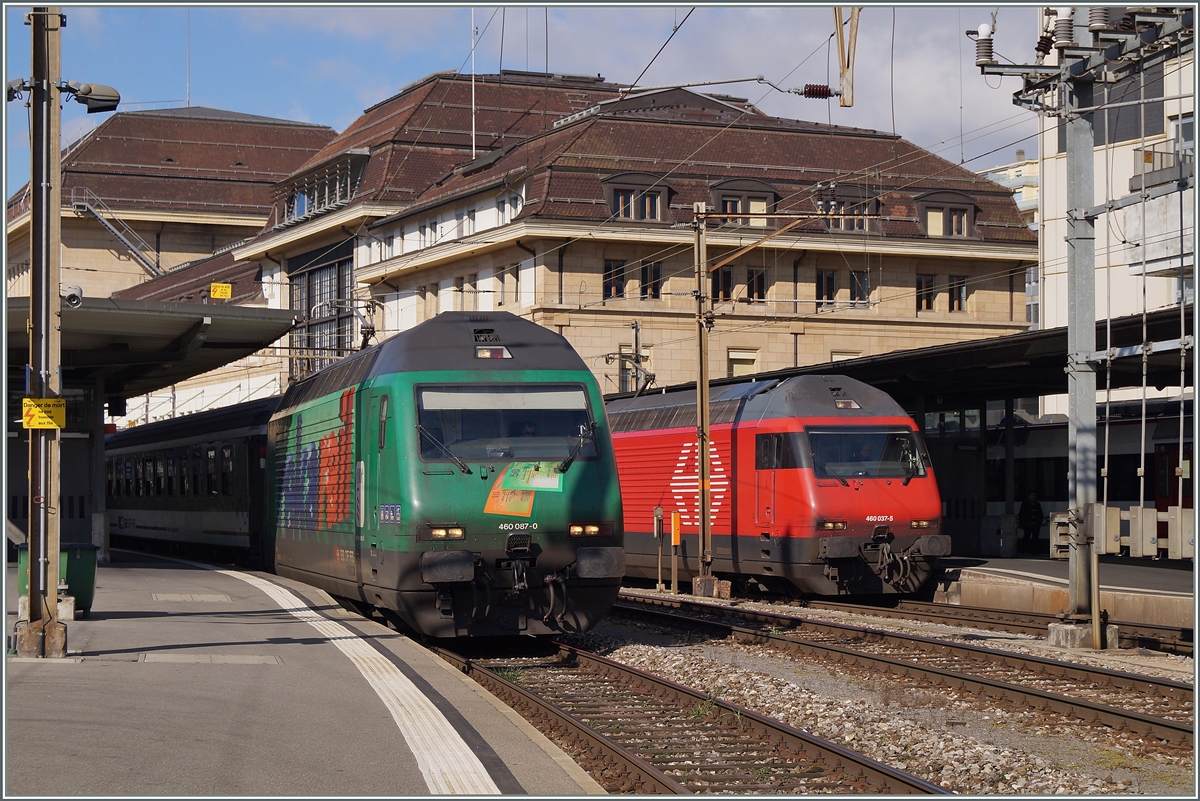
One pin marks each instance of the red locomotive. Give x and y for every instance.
(820, 485)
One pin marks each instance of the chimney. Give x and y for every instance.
(1020, 155)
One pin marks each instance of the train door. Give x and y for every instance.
(373, 438)
(1166, 481)
(767, 449)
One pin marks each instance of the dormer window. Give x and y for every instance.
(630, 204)
(847, 207)
(742, 197)
(636, 196)
(947, 214)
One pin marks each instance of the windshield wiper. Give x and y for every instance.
(586, 432)
(913, 468)
(442, 447)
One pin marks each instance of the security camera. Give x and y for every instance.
(73, 297)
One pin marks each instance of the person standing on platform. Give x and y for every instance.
(1030, 521)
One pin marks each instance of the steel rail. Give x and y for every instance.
(639, 776)
(862, 770)
(1169, 639)
(1162, 728)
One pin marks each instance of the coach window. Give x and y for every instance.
(197, 470)
(211, 453)
(108, 478)
(160, 475)
(139, 472)
(184, 484)
(128, 478)
(170, 475)
(226, 469)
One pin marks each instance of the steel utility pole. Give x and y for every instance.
(44, 635)
(1081, 327)
(705, 584)
(1111, 53)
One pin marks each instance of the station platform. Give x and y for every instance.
(1131, 590)
(185, 680)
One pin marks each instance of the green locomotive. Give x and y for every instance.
(458, 476)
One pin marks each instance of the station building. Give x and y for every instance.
(570, 201)
(146, 191)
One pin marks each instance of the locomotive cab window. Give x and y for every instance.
(866, 452)
(521, 422)
(778, 451)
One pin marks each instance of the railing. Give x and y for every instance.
(84, 200)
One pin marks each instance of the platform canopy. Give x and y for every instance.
(1025, 365)
(139, 346)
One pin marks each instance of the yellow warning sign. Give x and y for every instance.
(43, 412)
(220, 291)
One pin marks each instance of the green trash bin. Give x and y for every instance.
(76, 569)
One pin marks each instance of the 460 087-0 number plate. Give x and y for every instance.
(518, 526)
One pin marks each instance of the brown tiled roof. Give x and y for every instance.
(187, 159)
(435, 113)
(190, 282)
(693, 150)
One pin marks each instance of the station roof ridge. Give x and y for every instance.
(222, 115)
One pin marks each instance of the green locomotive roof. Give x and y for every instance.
(445, 342)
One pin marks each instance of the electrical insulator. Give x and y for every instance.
(983, 46)
(818, 91)
(1064, 29)
(1045, 44)
(1097, 18)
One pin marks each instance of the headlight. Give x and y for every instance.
(440, 533)
(924, 524)
(590, 530)
(831, 525)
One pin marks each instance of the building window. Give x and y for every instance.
(627, 381)
(737, 198)
(721, 284)
(957, 221)
(623, 203)
(614, 279)
(756, 285)
(860, 287)
(652, 281)
(470, 228)
(947, 221)
(731, 205)
(741, 362)
(958, 293)
(925, 292)
(459, 300)
(471, 300)
(509, 285)
(935, 223)
(630, 204)
(322, 288)
(826, 287)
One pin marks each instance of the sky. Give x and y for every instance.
(913, 68)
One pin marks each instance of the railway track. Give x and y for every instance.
(638, 733)
(1159, 708)
(1168, 639)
